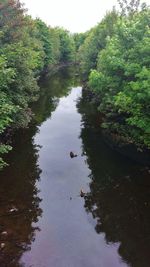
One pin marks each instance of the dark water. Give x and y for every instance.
(52, 225)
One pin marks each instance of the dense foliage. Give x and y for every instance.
(120, 78)
(115, 54)
(96, 41)
(27, 47)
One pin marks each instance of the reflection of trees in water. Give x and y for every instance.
(53, 88)
(119, 197)
(18, 189)
(19, 180)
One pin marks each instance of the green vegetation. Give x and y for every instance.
(27, 47)
(116, 53)
(96, 41)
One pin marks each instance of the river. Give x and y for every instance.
(44, 222)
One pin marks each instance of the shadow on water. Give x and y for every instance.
(52, 89)
(119, 189)
(119, 196)
(19, 200)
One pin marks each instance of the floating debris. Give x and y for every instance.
(13, 209)
(82, 194)
(2, 245)
(4, 233)
(72, 155)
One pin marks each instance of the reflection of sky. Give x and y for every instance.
(68, 237)
(58, 136)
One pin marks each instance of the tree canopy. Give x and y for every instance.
(115, 54)
(121, 79)
(27, 47)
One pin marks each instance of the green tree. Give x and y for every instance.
(96, 41)
(6, 107)
(122, 79)
(27, 48)
(129, 6)
(44, 35)
(67, 46)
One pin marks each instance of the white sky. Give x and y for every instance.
(73, 15)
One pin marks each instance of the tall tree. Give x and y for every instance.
(129, 6)
(96, 41)
(123, 79)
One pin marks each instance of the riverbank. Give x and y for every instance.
(44, 220)
(114, 140)
(28, 48)
(25, 116)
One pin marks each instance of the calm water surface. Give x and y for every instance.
(53, 226)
